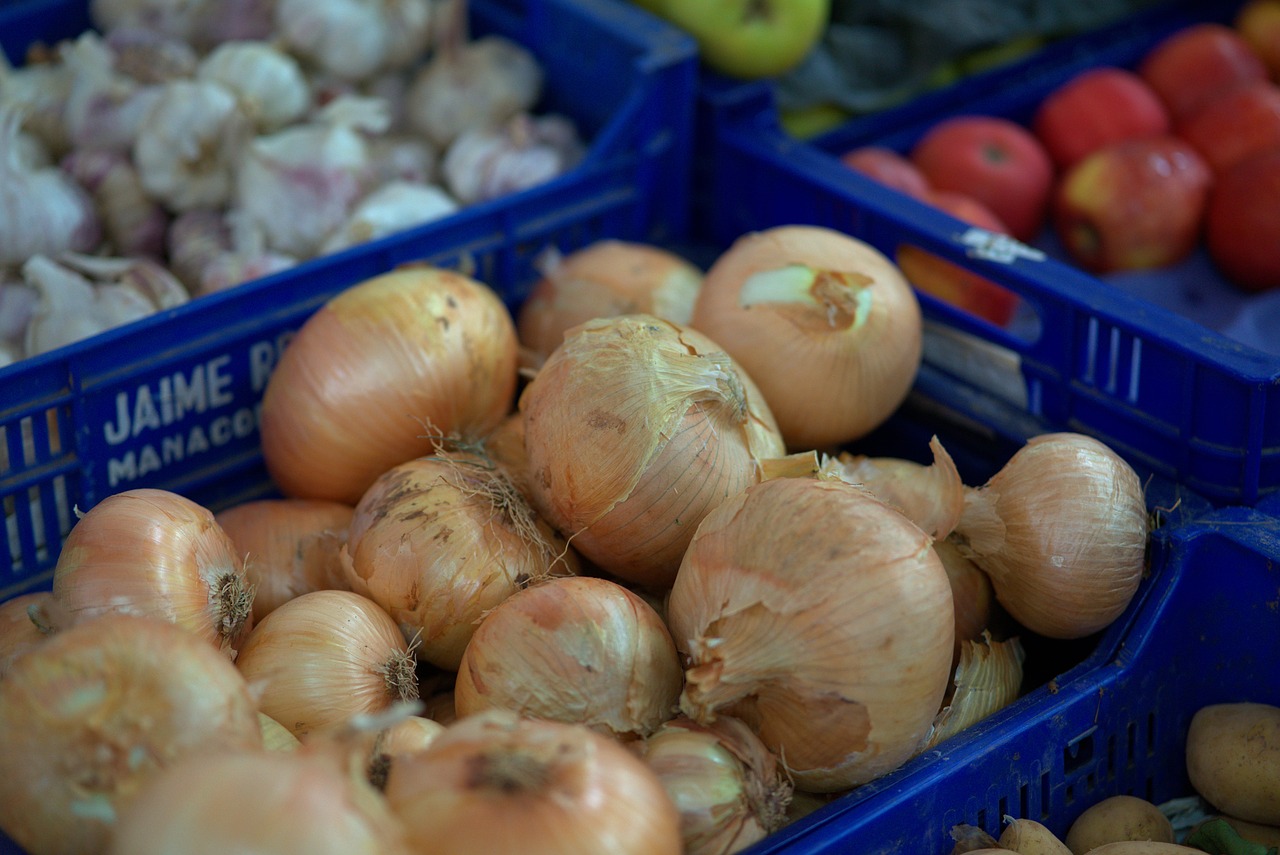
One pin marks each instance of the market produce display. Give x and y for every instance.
(641, 577)
(180, 149)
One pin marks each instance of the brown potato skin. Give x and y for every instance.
(1028, 837)
(1233, 759)
(1118, 819)
(1144, 847)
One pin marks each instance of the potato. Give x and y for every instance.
(1118, 818)
(1144, 847)
(1028, 837)
(1233, 759)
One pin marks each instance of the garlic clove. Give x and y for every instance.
(395, 206)
(346, 38)
(268, 82)
(147, 56)
(488, 163)
(177, 18)
(134, 223)
(104, 108)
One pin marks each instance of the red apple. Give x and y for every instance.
(1197, 63)
(1235, 125)
(887, 167)
(1133, 205)
(1258, 23)
(1242, 222)
(994, 160)
(948, 281)
(1096, 107)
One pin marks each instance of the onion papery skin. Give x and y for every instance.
(834, 351)
(324, 657)
(496, 782)
(727, 785)
(439, 541)
(376, 371)
(156, 553)
(931, 496)
(300, 802)
(96, 710)
(580, 650)
(18, 631)
(603, 280)
(822, 618)
(293, 546)
(635, 428)
(1061, 530)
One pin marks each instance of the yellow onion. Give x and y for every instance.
(825, 324)
(971, 592)
(727, 785)
(987, 679)
(377, 370)
(634, 429)
(406, 736)
(19, 631)
(505, 447)
(92, 713)
(1062, 531)
(275, 736)
(440, 540)
(439, 707)
(153, 552)
(602, 280)
(931, 496)
(293, 547)
(304, 802)
(496, 782)
(579, 649)
(325, 657)
(822, 618)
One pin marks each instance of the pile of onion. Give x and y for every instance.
(377, 371)
(825, 324)
(634, 429)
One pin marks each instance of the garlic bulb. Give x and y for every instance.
(486, 163)
(72, 307)
(299, 184)
(236, 21)
(38, 92)
(104, 108)
(212, 251)
(402, 157)
(268, 83)
(1061, 530)
(391, 208)
(480, 84)
(150, 57)
(188, 145)
(178, 18)
(145, 276)
(354, 39)
(134, 223)
(42, 211)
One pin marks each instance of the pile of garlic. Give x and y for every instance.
(186, 146)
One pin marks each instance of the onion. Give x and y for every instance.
(822, 618)
(971, 592)
(579, 650)
(605, 279)
(324, 657)
(1061, 530)
(726, 784)
(95, 711)
(156, 553)
(635, 428)
(19, 630)
(303, 802)
(293, 547)
(361, 379)
(439, 541)
(408, 735)
(988, 677)
(932, 497)
(841, 323)
(495, 782)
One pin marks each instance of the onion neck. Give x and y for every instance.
(400, 674)
(844, 298)
(509, 772)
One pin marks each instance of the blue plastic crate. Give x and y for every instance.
(171, 401)
(1116, 725)
(1176, 397)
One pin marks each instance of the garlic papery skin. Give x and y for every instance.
(392, 208)
(150, 57)
(146, 276)
(486, 163)
(729, 788)
(73, 308)
(479, 84)
(987, 679)
(268, 83)
(133, 222)
(299, 184)
(354, 39)
(104, 108)
(1062, 531)
(188, 146)
(931, 496)
(42, 212)
(178, 18)
(635, 428)
(38, 92)
(822, 618)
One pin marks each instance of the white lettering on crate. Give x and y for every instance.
(174, 397)
(175, 448)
